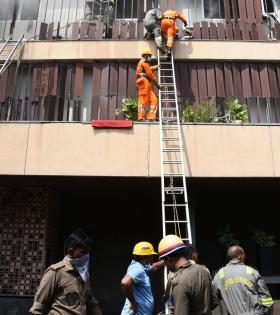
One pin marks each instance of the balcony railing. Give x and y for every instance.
(83, 91)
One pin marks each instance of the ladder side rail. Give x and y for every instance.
(181, 155)
(11, 53)
(5, 44)
(161, 151)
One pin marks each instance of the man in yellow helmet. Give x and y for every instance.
(190, 290)
(136, 283)
(147, 100)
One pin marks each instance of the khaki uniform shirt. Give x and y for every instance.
(63, 292)
(191, 290)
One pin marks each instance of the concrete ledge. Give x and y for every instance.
(130, 49)
(79, 150)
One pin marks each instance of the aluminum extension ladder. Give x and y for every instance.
(175, 208)
(8, 52)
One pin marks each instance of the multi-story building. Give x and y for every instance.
(58, 173)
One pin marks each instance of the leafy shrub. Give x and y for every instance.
(129, 108)
(198, 113)
(235, 112)
(261, 238)
(226, 238)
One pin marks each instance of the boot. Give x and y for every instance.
(169, 54)
(162, 50)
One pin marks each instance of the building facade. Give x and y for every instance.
(57, 173)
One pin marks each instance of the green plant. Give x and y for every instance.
(226, 238)
(129, 108)
(263, 239)
(235, 112)
(199, 113)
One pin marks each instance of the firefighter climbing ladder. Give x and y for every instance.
(8, 52)
(175, 208)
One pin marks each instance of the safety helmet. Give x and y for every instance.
(146, 51)
(143, 249)
(169, 244)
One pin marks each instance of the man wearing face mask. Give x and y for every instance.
(136, 283)
(147, 101)
(65, 287)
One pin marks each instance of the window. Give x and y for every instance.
(213, 9)
(27, 9)
(126, 9)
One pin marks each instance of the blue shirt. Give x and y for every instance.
(141, 289)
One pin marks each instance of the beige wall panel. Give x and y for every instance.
(275, 143)
(78, 149)
(228, 151)
(110, 49)
(13, 141)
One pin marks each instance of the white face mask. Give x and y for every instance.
(148, 59)
(81, 265)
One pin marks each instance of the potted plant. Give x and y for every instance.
(203, 112)
(226, 238)
(265, 242)
(235, 112)
(129, 108)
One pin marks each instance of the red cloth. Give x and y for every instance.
(112, 123)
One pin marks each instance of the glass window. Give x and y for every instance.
(7, 9)
(126, 9)
(27, 9)
(213, 9)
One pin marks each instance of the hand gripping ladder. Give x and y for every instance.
(8, 52)
(175, 209)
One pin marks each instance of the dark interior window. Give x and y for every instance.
(214, 9)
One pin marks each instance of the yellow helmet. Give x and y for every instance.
(143, 249)
(169, 244)
(146, 51)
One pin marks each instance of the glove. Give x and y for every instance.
(157, 84)
(185, 24)
(155, 67)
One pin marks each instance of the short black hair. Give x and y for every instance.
(189, 250)
(178, 253)
(78, 239)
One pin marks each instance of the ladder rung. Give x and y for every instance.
(178, 221)
(167, 76)
(170, 127)
(170, 150)
(169, 108)
(173, 174)
(169, 118)
(177, 205)
(168, 100)
(170, 139)
(167, 84)
(172, 162)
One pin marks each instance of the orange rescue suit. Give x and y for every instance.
(147, 100)
(168, 26)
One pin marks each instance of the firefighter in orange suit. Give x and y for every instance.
(169, 28)
(147, 100)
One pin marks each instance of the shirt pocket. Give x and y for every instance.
(71, 296)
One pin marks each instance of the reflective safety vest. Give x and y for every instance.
(243, 289)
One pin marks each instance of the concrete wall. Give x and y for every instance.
(197, 50)
(78, 149)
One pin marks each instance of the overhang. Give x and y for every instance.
(79, 150)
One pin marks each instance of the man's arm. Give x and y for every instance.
(157, 265)
(92, 303)
(265, 297)
(127, 288)
(181, 300)
(44, 295)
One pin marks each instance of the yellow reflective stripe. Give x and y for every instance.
(221, 273)
(249, 270)
(266, 301)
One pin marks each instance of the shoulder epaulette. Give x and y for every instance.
(56, 266)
